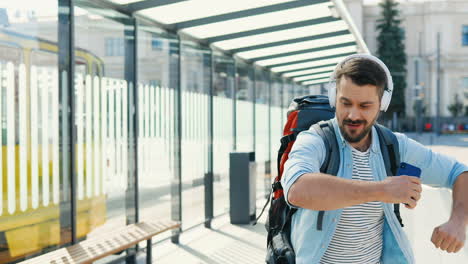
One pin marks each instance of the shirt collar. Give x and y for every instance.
(342, 142)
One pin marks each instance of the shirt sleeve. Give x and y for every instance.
(306, 156)
(437, 170)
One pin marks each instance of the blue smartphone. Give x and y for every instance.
(409, 170)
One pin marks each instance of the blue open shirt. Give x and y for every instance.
(307, 156)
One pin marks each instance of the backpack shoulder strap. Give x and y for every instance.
(331, 164)
(391, 155)
(389, 148)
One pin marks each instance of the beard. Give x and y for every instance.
(355, 136)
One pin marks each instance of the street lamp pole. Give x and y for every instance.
(438, 85)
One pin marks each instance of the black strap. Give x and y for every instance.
(331, 163)
(285, 140)
(263, 209)
(389, 148)
(326, 161)
(334, 155)
(388, 145)
(289, 217)
(391, 155)
(323, 168)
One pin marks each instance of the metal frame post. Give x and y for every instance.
(254, 103)
(176, 187)
(67, 134)
(209, 174)
(437, 127)
(234, 107)
(149, 253)
(268, 162)
(282, 101)
(71, 94)
(130, 69)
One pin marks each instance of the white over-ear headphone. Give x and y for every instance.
(387, 95)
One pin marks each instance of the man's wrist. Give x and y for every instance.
(377, 191)
(459, 216)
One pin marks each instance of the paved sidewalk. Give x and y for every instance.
(226, 243)
(435, 205)
(223, 243)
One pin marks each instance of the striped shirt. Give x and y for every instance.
(358, 236)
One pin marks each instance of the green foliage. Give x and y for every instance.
(391, 50)
(456, 108)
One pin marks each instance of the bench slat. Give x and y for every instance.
(103, 245)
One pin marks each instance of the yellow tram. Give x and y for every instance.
(28, 225)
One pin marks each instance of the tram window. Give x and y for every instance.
(14, 55)
(81, 66)
(9, 53)
(96, 70)
(40, 193)
(43, 58)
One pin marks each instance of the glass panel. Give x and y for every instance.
(244, 108)
(261, 132)
(158, 79)
(223, 138)
(302, 91)
(196, 70)
(101, 121)
(30, 188)
(288, 96)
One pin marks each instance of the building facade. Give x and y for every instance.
(422, 21)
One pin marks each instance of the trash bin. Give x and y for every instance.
(242, 187)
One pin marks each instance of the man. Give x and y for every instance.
(359, 224)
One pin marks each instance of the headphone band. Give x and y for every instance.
(388, 91)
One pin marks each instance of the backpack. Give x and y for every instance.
(303, 113)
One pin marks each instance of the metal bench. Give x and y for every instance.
(104, 245)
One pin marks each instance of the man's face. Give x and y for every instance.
(357, 109)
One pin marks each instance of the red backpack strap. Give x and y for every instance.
(287, 141)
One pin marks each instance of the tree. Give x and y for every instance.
(391, 50)
(456, 108)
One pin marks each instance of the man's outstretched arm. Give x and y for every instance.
(451, 236)
(322, 192)
(305, 187)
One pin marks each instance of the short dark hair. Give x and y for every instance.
(363, 71)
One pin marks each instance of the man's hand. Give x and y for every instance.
(450, 236)
(401, 189)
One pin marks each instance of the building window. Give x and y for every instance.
(115, 47)
(465, 35)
